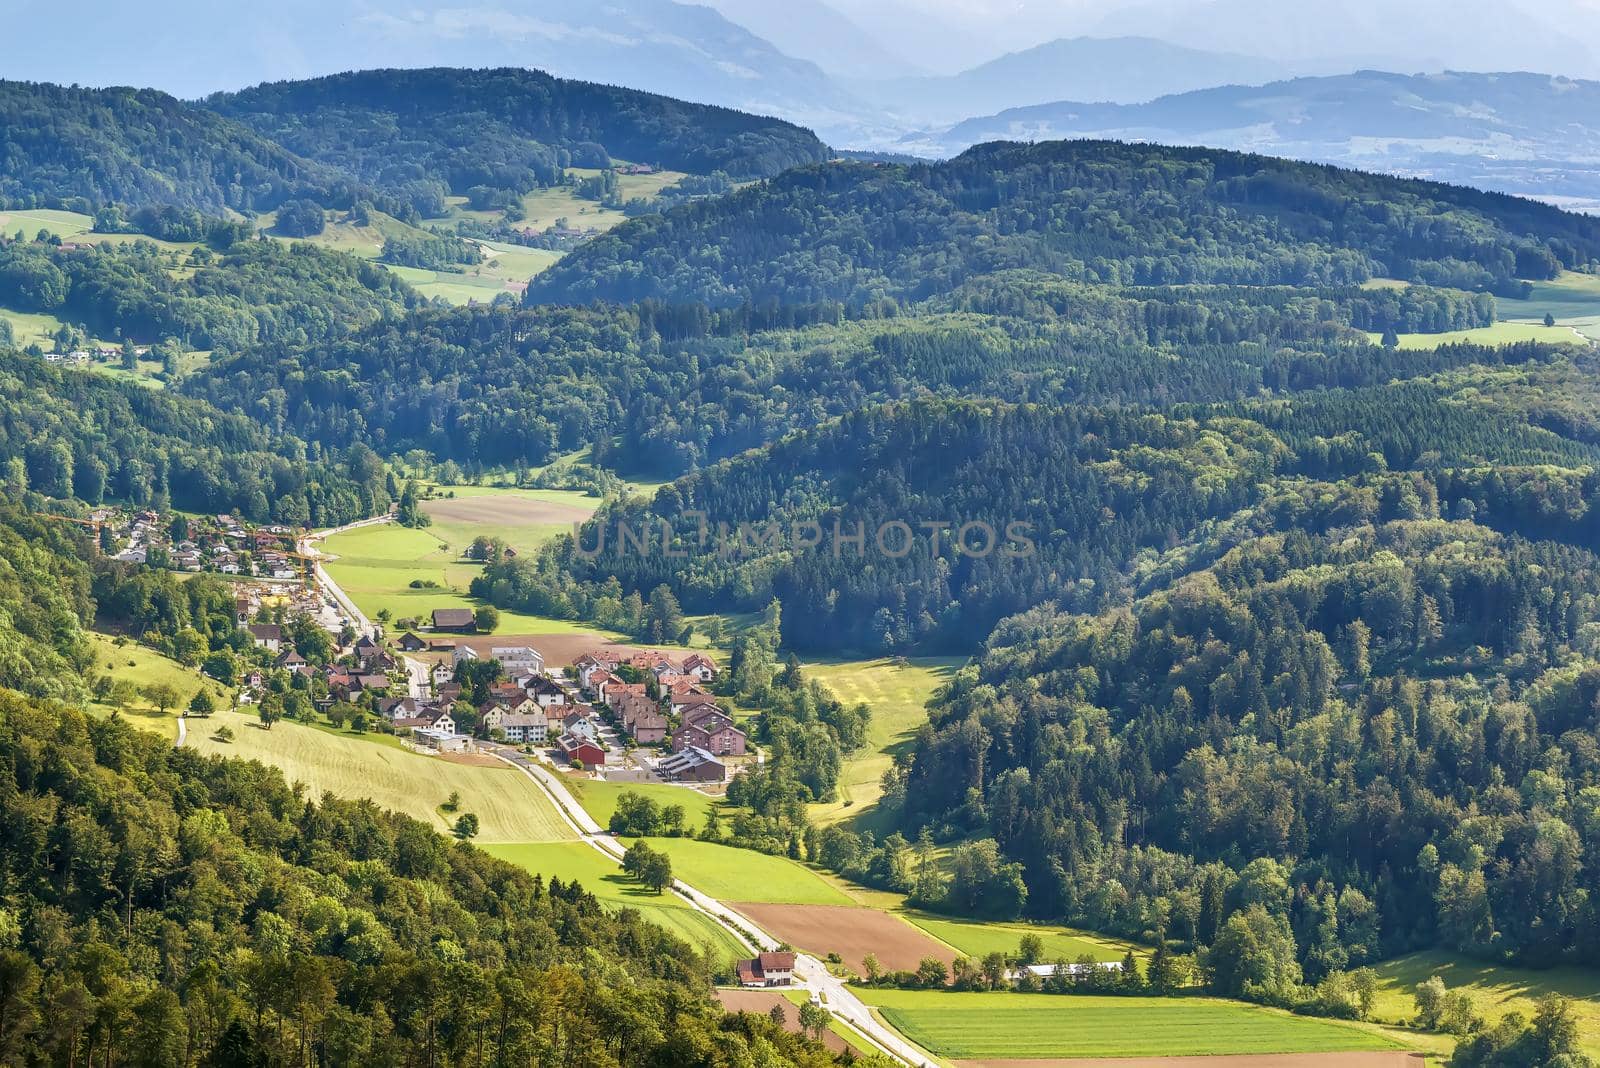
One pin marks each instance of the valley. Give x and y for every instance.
(497, 569)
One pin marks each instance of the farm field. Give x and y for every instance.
(602, 878)
(733, 874)
(543, 207)
(1000, 1025)
(509, 807)
(897, 695)
(143, 667)
(377, 564)
(1495, 989)
(762, 1001)
(850, 931)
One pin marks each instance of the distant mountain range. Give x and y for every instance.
(1519, 133)
(1121, 70)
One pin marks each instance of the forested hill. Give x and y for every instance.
(195, 910)
(62, 144)
(506, 129)
(401, 137)
(1103, 212)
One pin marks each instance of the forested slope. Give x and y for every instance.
(504, 129)
(198, 910)
(1104, 212)
(76, 434)
(62, 145)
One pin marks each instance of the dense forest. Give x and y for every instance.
(418, 133)
(1100, 212)
(253, 291)
(195, 910)
(74, 435)
(69, 146)
(669, 389)
(400, 139)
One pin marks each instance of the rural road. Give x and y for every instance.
(183, 732)
(307, 544)
(813, 974)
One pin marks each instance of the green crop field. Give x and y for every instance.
(599, 799)
(143, 667)
(1006, 1025)
(510, 808)
(602, 878)
(976, 938)
(1495, 989)
(897, 695)
(733, 874)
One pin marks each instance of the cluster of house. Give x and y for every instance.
(220, 543)
(100, 352)
(694, 728)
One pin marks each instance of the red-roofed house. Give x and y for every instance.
(768, 969)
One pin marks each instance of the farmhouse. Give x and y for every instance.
(455, 620)
(443, 672)
(410, 643)
(768, 969)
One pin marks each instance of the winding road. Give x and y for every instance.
(810, 972)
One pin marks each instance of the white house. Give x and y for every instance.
(518, 659)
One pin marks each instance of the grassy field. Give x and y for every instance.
(897, 696)
(734, 874)
(1574, 299)
(599, 799)
(976, 938)
(1495, 990)
(603, 879)
(1006, 1025)
(1503, 333)
(510, 808)
(143, 667)
(63, 224)
(377, 564)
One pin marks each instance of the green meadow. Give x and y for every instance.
(142, 666)
(897, 693)
(377, 564)
(978, 938)
(1502, 333)
(599, 798)
(1006, 1025)
(600, 876)
(1495, 989)
(733, 874)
